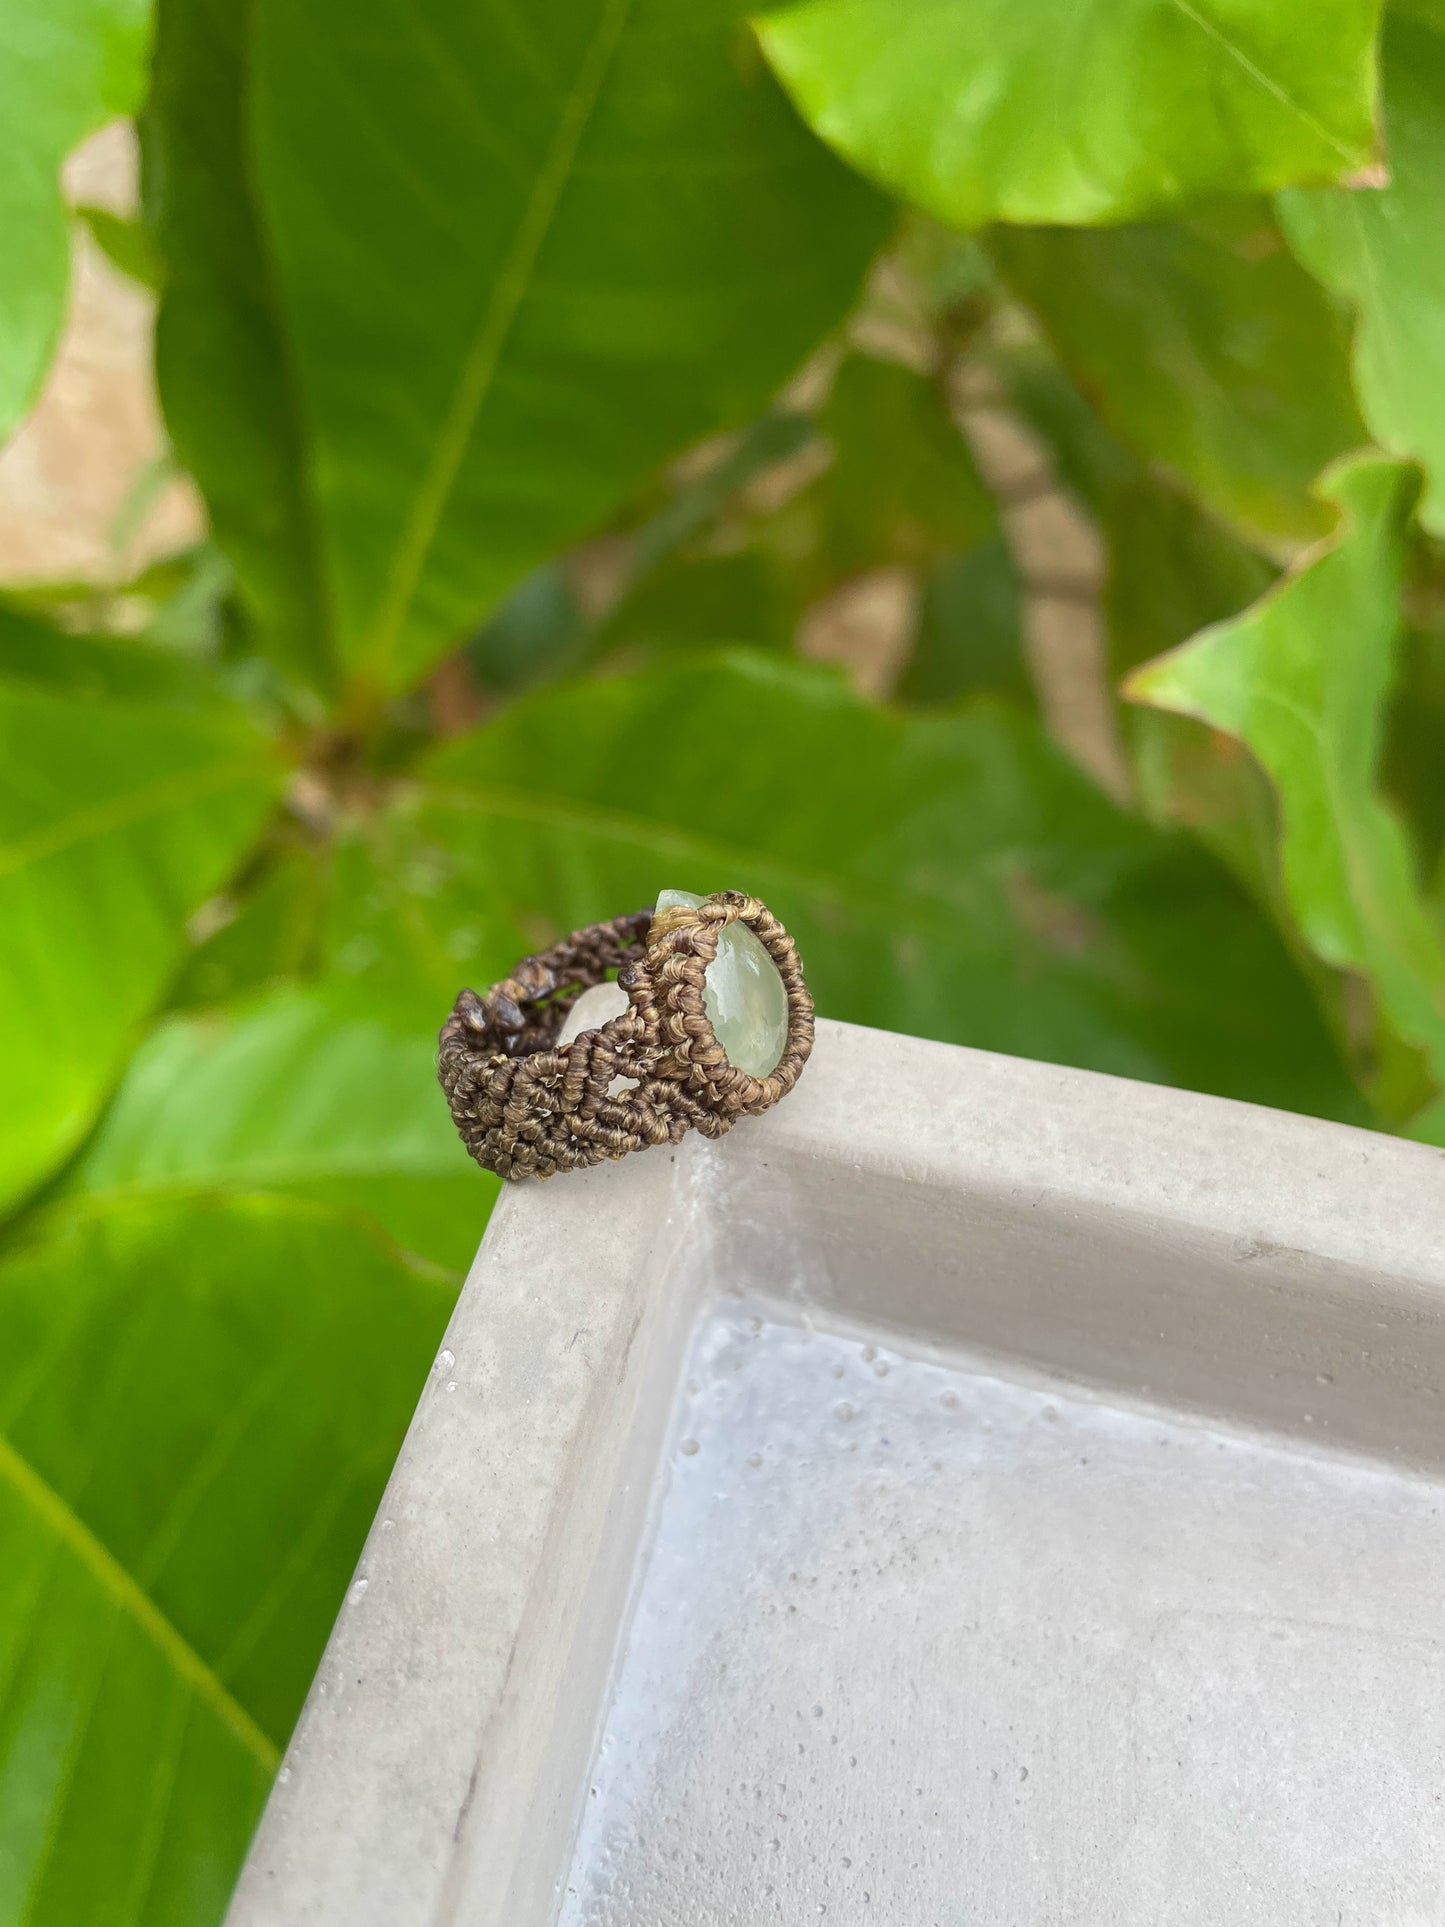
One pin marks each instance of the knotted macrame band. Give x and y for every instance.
(528, 1107)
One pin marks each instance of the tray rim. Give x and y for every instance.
(416, 1787)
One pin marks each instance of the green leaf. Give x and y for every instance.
(1303, 679)
(198, 1408)
(969, 636)
(117, 820)
(172, 608)
(302, 1091)
(1207, 350)
(954, 876)
(230, 396)
(692, 602)
(1172, 569)
(265, 931)
(903, 487)
(1082, 110)
(70, 65)
(479, 285)
(1429, 1126)
(192, 608)
(536, 633)
(1384, 252)
(100, 667)
(410, 919)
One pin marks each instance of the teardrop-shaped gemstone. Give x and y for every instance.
(742, 993)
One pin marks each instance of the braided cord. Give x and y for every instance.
(526, 1106)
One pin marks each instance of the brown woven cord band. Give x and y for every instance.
(528, 1107)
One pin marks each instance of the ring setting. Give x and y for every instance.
(718, 1026)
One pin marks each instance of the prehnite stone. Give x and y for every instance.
(742, 993)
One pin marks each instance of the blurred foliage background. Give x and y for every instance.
(971, 474)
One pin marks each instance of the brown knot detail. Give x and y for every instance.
(528, 1107)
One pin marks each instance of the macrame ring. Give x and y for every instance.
(526, 1106)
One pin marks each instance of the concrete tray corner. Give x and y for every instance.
(975, 1492)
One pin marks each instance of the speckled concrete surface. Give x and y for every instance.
(1146, 1507)
(915, 1643)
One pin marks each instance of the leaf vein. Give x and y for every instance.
(113, 1579)
(480, 366)
(1215, 32)
(118, 813)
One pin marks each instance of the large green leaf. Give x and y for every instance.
(271, 936)
(309, 1092)
(1303, 679)
(1082, 110)
(1171, 570)
(951, 876)
(117, 820)
(1207, 350)
(198, 1407)
(1385, 252)
(692, 601)
(231, 399)
(97, 668)
(968, 636)
(69, 66)
(902, 487)
(481, 280)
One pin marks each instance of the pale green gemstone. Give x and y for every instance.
(743, 995)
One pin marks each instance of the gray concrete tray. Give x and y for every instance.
(975, 1492)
